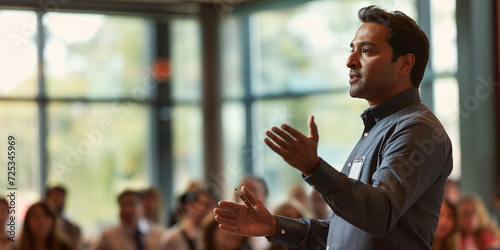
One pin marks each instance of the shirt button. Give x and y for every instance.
(365, 134)
(327, 247)
(349, 165)
(282, 231)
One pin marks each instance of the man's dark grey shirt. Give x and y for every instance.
(404, 157)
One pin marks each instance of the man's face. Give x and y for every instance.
(131, 209)
(373, 75)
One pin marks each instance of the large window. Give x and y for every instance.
(18, 110)
(77, 91)
(284, 64)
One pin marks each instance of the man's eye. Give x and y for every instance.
(364, 50)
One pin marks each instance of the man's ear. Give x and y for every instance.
(406, 63)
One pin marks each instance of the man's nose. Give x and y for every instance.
(352, 61)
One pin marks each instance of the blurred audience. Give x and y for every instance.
(134, 231)
(298, 193)
(40, 230)
(214, 238)
(452, 192)
(447, 235)
(258, 187)
(5, 243)
(477, 230)
(180, 210)
(186, 234)
(319, 207)
(152, 201)
(291, 209)
(57, 197)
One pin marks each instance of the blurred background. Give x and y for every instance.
(107, 95)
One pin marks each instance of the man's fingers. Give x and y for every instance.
(225, 213)
(229, 205)
(286, 137)
(313, 129)
(295, 133)
(230, 229)
(277, 140)
(278, 150)
(226, 221)
(251, 198)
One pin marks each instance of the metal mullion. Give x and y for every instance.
(424, 21)
(42, 105)
(248, 154)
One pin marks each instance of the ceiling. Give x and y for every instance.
(151, 6)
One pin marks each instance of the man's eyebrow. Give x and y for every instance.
(362, 43)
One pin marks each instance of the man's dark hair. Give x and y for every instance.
(56, 188)
(405, 36)
(128, 192)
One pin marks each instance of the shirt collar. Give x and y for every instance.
(393, 104)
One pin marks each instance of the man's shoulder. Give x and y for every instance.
(416, 113)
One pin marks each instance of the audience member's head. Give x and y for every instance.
(215, 238)
(447, 233)
(298, 193)
(319, 206)
(475, 224)
(198, 204)
(4, 213)
(40, 229)
(452, 192)
(131, 207)
(57, 196)
(257, 186)
(5, 243)
(152, 201)
(291, 209)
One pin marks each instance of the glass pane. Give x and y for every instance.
(18, 54)
(97, 56)
(188, 146)
(186, 59)
(444, 36)
(339, 126)
(305, 48)
(236, 150)
(20, 120)
(447, 110)
(232, 60)
(106, 145)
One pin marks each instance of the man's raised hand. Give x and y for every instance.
(298, 150)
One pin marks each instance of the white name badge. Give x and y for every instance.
(356, 167)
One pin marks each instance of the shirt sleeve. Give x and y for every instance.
(299, 233)
(414, 157)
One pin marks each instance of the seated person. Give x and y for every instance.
(477, 230)
(134, 231)
(40, 230)
(215, 238)
(447, 234)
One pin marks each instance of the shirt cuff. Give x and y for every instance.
(290, 232)
(324, 179)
